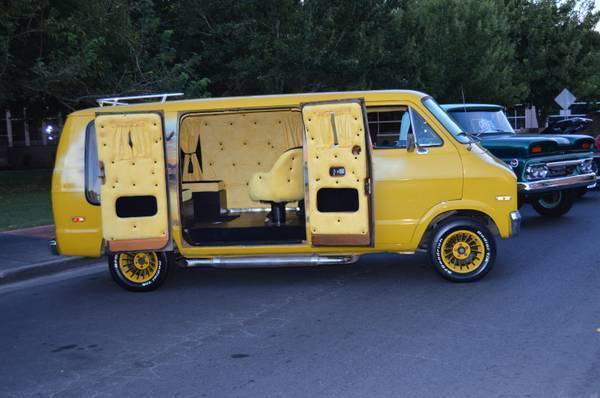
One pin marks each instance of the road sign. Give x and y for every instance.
(565, 99)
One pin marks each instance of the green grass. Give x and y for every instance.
(25, 199)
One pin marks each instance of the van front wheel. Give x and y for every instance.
(554, 204)
(462, 250)
(139, 271)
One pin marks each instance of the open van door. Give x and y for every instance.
(133, 190)
(338, 159)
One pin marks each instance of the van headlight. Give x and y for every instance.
(536, 172)
(586, 166)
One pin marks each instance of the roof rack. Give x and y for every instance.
(113, 101)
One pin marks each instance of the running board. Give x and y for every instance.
(266, 261)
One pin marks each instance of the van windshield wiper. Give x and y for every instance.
(471, 136)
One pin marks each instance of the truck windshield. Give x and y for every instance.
(483, 121)
(446, 121)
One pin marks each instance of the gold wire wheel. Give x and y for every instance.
(463, 251)
(138, 267)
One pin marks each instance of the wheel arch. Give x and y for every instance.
(477, 215)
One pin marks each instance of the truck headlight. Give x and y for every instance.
(586, 167)
(536, 172)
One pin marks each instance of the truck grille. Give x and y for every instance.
(562, 171)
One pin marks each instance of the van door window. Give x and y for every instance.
(424, 134)
(389, 128)
(92, 170)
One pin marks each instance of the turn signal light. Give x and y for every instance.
(585, 145)
(536, 149)
(78, 219)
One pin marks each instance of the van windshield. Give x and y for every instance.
(446, 121)
(483, 121)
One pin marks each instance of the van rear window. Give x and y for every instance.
(92, 169)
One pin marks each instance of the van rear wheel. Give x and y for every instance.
(139, 271)
(462, 249)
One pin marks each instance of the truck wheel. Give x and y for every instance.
(462, 250)
(139, 271)
(554, 204)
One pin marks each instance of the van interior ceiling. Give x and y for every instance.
(242, 178)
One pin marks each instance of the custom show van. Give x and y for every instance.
(282, 180)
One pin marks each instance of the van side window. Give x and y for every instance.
(91, 168)
(424, 134)
(389, 128)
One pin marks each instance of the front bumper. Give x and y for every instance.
(515, 222)
(557, 184)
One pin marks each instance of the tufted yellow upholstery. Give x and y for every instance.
(323, 153)
(235, 146)
(130, 146)
(283, 183)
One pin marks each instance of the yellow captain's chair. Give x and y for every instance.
(282, 184)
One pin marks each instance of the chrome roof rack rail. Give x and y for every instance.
(113, 101)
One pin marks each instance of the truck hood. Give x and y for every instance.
(519, 145)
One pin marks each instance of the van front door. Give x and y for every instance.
(133, 190)
(338, 160)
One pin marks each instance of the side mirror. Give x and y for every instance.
(411, 144)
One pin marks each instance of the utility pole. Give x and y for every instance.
(26, 128)
(9, 133)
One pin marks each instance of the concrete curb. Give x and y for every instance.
(36, 270)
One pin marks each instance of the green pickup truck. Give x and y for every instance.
(551, 169)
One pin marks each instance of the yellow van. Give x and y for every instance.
(280, 180)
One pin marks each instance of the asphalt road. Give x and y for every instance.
(386, 326)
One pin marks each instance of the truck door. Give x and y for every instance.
(133, 190)
(338, 161)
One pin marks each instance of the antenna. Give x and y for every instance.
(462, 91)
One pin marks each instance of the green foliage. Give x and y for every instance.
(504, 51)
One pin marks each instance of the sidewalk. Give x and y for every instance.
(25, 255)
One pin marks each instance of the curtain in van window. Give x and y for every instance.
(189, 142)
(293, 130)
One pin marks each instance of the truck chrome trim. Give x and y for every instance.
(554, 184)
(267, 261)
(567, 162)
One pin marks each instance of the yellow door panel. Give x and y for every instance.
(338, 162)
(133, 191)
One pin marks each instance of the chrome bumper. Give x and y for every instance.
(557, 184)
(515, 222)
(53, 247)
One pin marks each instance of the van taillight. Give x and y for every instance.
(536, 149)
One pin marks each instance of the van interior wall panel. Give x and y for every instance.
(234, 146)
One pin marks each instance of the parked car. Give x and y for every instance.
(574, 126)
(550, 169)
(281, 180)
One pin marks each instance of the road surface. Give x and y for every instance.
(386, 326)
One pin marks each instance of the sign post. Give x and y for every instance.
(565, 99)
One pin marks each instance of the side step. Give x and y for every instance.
(266, 261)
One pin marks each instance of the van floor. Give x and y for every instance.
(247, 229)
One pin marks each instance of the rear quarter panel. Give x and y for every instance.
(68, 194)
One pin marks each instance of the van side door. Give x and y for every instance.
(337, 154)
(133, 190)
(408, 183)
